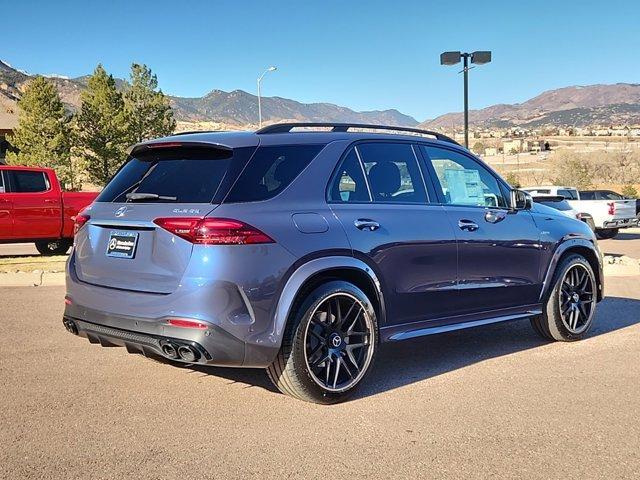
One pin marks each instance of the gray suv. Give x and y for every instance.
(300, 248)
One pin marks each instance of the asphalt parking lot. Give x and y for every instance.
(490, 402)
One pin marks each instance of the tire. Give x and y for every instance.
(605, 233)
(312, 334)
(53, 247)
(567, 317)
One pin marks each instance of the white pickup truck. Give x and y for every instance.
(609, 216)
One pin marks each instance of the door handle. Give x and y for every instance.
(467, 225)
(494, 217)
(366, 224)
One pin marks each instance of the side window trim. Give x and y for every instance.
(436, 180)
(364, 172)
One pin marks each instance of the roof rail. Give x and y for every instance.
(344, 127)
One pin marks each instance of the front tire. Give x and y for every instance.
(606, 233)
(328, 346)
(570, 306)
(53, 247)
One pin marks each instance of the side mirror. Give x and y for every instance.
(520, 200)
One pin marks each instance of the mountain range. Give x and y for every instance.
(570, 106)
(234, 109)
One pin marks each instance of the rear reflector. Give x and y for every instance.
(213, 231)
(182, 323)
(67, 301)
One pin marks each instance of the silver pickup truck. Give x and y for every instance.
(609, 216)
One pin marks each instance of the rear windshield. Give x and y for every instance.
(561, 205)
(180, 175)
(271, 170)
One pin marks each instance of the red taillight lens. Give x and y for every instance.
(213, 231)
(79, 221)
(182, 323)
(612, 208)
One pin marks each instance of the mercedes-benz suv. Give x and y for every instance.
(300, 248)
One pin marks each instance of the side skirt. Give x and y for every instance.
(433, 330)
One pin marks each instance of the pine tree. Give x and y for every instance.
(148, 112)
(102, 134)
(43, 134)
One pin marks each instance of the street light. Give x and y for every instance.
(478, 58)
(270, 69)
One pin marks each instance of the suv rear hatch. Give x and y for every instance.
(120, 246)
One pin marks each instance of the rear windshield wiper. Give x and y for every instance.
(137, 197)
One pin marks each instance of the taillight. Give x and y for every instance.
(183, 323)
(213, 231)
(612, 208)
(79, 221)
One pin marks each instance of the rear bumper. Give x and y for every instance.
(621, 223)
(210, 346)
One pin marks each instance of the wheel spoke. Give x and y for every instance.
(344, 364)
(335, 378)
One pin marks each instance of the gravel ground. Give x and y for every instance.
(490, 402)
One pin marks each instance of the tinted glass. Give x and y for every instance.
(31, 182)
(463, 181)
(270, 171)
(392, 172)
(587, 195)
(562, 205)
(567, 193)
(609, 195)
(349, 184)
(190, 175)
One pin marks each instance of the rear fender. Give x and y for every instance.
(304, 273)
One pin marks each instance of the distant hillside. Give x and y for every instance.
(578, 105)
(235, 109)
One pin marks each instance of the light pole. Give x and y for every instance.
(270, 69)
(478, 58)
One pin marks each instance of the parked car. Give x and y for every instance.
(560, 203)
(609, 216)
(301, 251)
(33, 208)
(608, 195)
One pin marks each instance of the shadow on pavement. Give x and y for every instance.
(411, 361)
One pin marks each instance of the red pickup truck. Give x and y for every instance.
(33, 208)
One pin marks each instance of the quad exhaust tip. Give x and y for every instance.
(70, 326)
(169, 350)
(185, 353)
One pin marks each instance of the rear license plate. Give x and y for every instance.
(122, 244)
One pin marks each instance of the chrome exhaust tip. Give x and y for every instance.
(70, 326)
(169, 351)
(187, 353)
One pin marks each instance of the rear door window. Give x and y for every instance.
(25, 181)
(392, 172)
(569, 194)
(349, 185)
(271, 170)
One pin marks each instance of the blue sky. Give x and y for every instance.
(362, 54)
